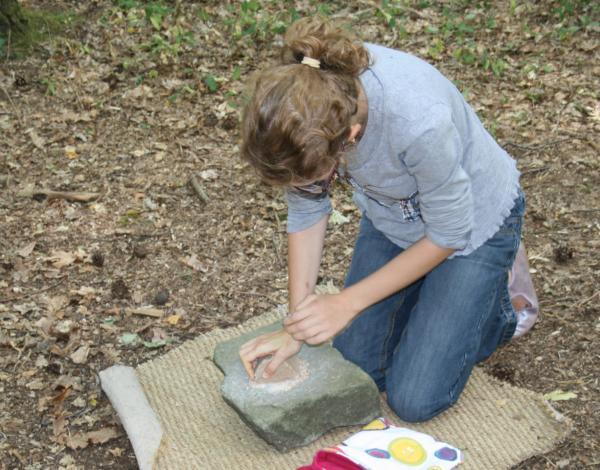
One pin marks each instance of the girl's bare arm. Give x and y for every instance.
(304, 258)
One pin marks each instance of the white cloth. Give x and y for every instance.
(383, 446)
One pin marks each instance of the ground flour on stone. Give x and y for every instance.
(290, 373)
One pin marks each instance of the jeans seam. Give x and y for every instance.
(392, 323)
(489, 305)
(506, 306)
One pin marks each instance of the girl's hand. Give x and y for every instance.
(319, 318)
(279, 343)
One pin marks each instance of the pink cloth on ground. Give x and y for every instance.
(326, 460)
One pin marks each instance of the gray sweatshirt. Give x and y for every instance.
(425, 165)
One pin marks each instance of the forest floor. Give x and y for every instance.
(136, 98)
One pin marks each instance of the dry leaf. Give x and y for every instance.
(76, 117)
(173, 319)
(44, 324)
(64, 328)
(37, 384)
(70, 152)
(158, 334)
(116, 452)
(79, 402)
(59, 424)
(137, 297)
(86, 292)
(68, 462)
(41, 362)
(26, 250)
(208, 174)
(82, 440)
(194, 263)
(56, 304)
(37, 140)
(15, 453)
(66, 381)
(80, 356)
(60, 259)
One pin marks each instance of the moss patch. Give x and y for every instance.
(35, 27)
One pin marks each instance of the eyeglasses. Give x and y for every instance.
(320, 188)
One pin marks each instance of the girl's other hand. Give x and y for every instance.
(319, 318)
(280, 344)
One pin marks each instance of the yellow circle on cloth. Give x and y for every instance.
(407, 451)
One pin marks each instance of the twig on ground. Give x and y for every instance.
(532, 148)
(560, 114)
(275, 239)
(582, 302)
(345, 13)
(30, 294)
(147, 311)
(20, 357)
(74, 196)
(198, 189)
(145, 327)
(535, 170)
(592, 209)
(15, 109)
(8, 44)
(259, 295)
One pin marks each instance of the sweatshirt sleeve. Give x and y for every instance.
(445, 198)
(304, 212)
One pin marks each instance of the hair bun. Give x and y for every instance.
(318, 38)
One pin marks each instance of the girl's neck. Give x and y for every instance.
(362, 109)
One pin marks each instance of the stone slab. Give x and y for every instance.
(315, 392)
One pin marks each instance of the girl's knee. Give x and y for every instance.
(417, 404)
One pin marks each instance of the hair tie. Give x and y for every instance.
(311, 62)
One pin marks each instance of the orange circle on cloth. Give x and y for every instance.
(407, 451)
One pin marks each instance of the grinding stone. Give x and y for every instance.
(323, 392)
(289, 371)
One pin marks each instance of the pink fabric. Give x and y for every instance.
(325, 460)
(522, 293)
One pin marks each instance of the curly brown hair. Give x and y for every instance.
(298, 117)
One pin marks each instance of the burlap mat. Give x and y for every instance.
(495, 424)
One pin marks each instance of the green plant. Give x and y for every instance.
(212, 84)
(50, 85)
(574, 16)
(389, 12)
(436, 48)
(231, 97)
(487, 62)
(203, 14)
(127, 4)
(179, 93)
(248, 19)
(169, 42)
(155, 14)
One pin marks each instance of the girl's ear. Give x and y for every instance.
(354, 131)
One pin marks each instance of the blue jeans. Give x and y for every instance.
(421, 343)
